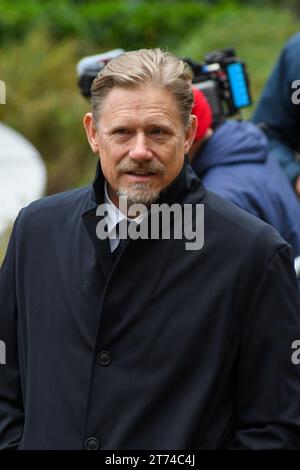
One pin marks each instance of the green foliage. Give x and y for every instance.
(136, 24)
(44, 104)
(43, 100)
(109, 23)
(257, 36)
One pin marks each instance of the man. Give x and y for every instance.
(240, 169)
(278, 111)
(159, 347)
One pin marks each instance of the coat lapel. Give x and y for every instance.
(184, 188)
(90, 220)
(102, 247)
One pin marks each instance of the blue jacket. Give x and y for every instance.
(234, 163)
(277, 112)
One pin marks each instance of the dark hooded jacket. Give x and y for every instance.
(278, 109)
(167, 348)
(235, 164)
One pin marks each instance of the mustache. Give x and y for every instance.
(152, 166)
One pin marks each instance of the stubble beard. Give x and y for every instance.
(139, 193)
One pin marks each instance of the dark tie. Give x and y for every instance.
(122, 242)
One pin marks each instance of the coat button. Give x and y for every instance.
(92, 443)
(104, 358)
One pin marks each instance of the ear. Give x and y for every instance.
(91, 132)
(190, 133)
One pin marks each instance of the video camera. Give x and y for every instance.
(89, 67)
(222, 77)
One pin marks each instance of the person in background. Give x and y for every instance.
(278, 111)
(233, 161)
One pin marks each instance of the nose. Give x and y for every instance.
(140, 150)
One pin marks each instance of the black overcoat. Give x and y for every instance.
(165, 349)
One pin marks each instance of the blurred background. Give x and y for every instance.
(41, 42)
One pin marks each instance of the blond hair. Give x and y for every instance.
(145, 66)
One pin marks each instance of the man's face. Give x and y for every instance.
(141, 141)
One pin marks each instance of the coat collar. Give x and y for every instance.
(186, 188)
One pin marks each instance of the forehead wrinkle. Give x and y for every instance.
(134, 107)
(125, 119)
(131, 108)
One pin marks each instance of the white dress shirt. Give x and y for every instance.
(114, 216)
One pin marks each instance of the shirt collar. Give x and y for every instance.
(114, 215)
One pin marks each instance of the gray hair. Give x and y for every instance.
(146, 66)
